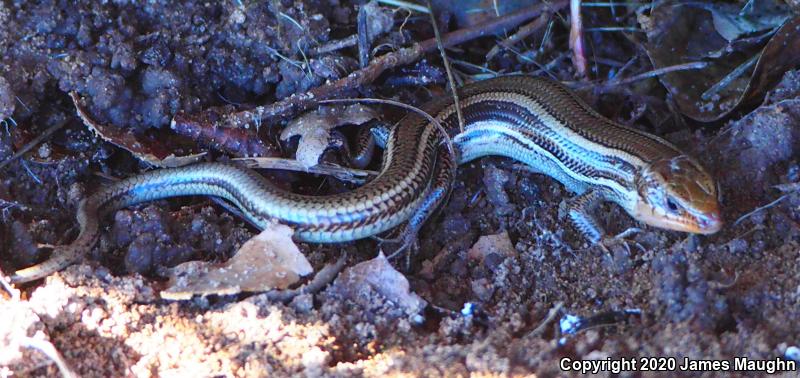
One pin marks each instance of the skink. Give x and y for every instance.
(536, 121)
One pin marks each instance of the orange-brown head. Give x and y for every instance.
(678, 194)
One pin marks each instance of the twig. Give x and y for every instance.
(576, 38)
(34, 142)
(611, 5)
(363, 37)
(753, 229)
(738, 71)
(6, 206)
(23, 104)
(291, 61)
(50, 351)
(614, 29)
(320, 280)
(607, 62)
(309, 72)
(335, 45)
(292, 20)
(406, 5)
(527, 56)
(642, 76)
(523, 32)
(548, 33)
(356, 176)
(548, 68)
(625, 67)
(453, 88)
(30, 172)
(605, 319)
(297, 103)
(547, 320)
(239, 142)
(760, 208)
(5, 123)
(476, 67)
(661, 71)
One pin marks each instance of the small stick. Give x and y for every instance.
(642, 76)
(453, 88)
(612, 4)
(549, 318)
(335, 45)
(614, 29)
(661, 71)
(760, 208)
(356, 176)
(576, 38)
(738, 71)
(406, 5)
(34, 142)
(363, 37)
(608, 62)
(320, 280)
(50, 351)
(523, 32)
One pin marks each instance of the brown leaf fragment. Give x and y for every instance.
(150, 150)
(270, 260)
(314, 129)
(243, 142)
(738, 72)
(379, 276)
(488, 244)
(733, 22)
(373, 21)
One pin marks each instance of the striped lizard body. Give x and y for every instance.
(533, 120)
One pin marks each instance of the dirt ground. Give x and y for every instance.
(505, 312)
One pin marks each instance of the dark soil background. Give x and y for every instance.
(137, 64)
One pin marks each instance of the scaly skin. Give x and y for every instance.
(535, 121)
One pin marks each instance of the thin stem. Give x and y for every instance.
(34, 142)
(406, 5)
(453, 88)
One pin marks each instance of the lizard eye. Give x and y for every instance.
(672, 205)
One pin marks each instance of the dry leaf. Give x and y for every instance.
(732, 21)
(314, 129)
(378, 275)
(268, 261)
(738, 72)
(380, 20)
(149, 150)
(488, 244)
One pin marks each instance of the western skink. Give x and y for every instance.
(536, 121)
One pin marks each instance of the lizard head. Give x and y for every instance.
(678, 194)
